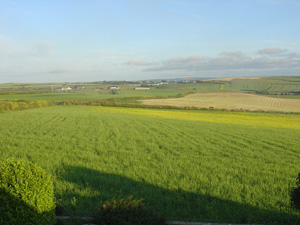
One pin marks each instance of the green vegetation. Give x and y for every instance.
(91, 96)
(283, 87)
(190, 165)
(6, 105)
(91, 92)
(26, 194)
(193, 165)
(268, 85)
(127, 211)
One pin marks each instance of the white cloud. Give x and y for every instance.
(38, 61)
(233, 54)
(266, 59)
(272, 51)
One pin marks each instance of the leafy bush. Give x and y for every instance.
(295, 195)
(127, 211)
(26, 194)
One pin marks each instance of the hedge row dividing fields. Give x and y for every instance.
(192, 166)
(6, 105)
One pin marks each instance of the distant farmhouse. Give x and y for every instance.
(64, 88)
(113, 87)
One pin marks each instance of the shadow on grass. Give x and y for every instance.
(13, 210)
(174, 204)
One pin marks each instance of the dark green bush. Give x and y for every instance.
(127, 211)
(26, 194)
(295, 195)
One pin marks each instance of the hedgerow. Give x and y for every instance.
(6, 105)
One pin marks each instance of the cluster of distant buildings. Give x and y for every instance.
(70, 88)
(149, 83)
(137, 86)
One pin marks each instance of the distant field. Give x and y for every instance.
(91, 95)
(191, 165)
(231, 101)
(286, 87)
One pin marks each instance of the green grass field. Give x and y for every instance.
(191, 165)
(91, 95)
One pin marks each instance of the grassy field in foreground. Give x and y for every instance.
(231, 101)
(193, 166)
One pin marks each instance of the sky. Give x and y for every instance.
(96, 40)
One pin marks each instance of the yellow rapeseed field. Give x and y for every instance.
(237, 118)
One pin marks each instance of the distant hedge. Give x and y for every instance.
(115, 102)
(7, 105)
(26, 194)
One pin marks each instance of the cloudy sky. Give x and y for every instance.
(94, 40)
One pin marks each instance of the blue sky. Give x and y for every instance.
(92, 40)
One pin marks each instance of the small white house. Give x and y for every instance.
(64, 88)
(114, 87)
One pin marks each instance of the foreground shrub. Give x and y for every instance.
(127, 212)
(26, 194)
(295, 195)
